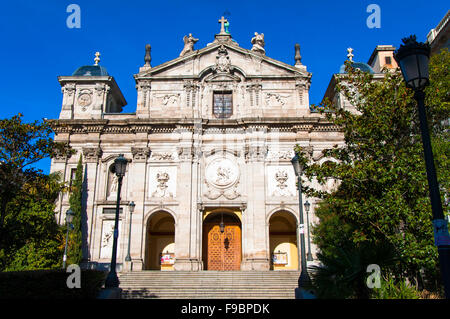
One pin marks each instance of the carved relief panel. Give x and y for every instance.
(281, 181)
(222, 176)
(84, 100)
(107, 239)
(162, 182)
(278, 99)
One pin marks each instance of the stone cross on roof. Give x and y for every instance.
(222, 21)
(97, 58)
(350, 55)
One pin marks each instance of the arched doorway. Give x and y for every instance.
(283, 241)
(222, 249)
(160, 242)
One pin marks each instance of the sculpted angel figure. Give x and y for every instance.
(189, 42)
(258, 43)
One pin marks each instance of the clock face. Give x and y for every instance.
(84, 100)
(222, 172)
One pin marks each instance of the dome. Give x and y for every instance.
(91, 70)
(358, 65)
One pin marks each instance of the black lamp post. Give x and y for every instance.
(69, 218)
(304, 280)
(308, 255)
(119, 167)
(413, 58)
(131, 206)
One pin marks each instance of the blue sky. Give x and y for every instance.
(37, 45)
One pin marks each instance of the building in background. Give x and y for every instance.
(438, 38)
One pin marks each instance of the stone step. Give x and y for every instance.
(220, 276)
(209, 284)
(199, 295)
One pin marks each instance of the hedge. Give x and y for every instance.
(50, 284)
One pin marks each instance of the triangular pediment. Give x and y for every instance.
(199, 62)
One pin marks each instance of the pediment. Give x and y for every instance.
(221, 77)
(198, 63)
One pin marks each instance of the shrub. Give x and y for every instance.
(391, 289)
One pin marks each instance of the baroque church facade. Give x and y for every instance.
(209, 145)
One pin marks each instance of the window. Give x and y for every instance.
(222, 104)
(388, 60)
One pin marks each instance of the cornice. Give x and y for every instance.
(159, 126)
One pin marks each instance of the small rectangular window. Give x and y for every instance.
(223, 104)
(388, 60)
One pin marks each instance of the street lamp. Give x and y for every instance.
(119, 168)
(69, 218)
(308, 255)
(131, 206)
(221, 225)
(413, 58)
(303, 280)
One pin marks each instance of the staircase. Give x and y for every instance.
(209, 284)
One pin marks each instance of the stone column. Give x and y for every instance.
(258, 255)
(136, 192)
(183, 233)
(92, 155)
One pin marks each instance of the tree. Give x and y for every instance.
(382, 197)
(29, 235)
(22, 145)
(75, 253)
(32, 239)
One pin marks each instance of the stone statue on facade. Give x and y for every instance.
(258, 43)
(112, 187)
(189, 42)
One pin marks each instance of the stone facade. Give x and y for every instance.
(190, 162)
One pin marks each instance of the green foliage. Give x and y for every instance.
(49, 284)
(343, 273)
(74, 252)
(29, 235)
(382, 194)
(21, 145)
(33, 240)
(45, 254)
(391, 289)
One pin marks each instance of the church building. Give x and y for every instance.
(209, 151)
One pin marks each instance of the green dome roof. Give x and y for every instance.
(358, 65)
(91, 70)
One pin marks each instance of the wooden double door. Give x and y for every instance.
(222, 251)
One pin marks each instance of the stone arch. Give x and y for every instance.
(222, 250)
(149, 214)
(207, 74)
(283, 240)
(278, 209)
(160, 228)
